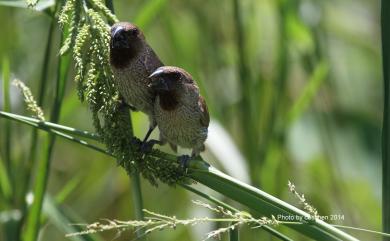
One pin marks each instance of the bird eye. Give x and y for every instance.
(133, 32)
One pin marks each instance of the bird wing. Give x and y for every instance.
(204, 117)
(151, 61)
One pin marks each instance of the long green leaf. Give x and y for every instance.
(46, 126)
(386, 117)
(5, 185)
(264, 203)
(228, 207)
(49, 125)
(63, 221)
(311, 88)
(62, 195)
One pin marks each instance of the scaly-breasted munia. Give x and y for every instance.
(179, 109)
(132, 62)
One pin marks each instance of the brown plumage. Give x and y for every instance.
(132, 62)
(180, 111)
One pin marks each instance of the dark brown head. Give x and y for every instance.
(169, 78)
(126, 41)
(169, 83)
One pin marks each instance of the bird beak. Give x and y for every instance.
(156, 73)
(118, 40)
(157, 82)
(116, 31)
(159, 85)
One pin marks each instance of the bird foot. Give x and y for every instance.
(184, 161)
(147, 146)
(136, 142)
(122, 105)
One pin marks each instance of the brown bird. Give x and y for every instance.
(180, 111)
(132, 62)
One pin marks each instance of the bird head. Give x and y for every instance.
(168, 78)
(125, 35)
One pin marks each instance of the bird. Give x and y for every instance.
(132, 61)
(180, 111)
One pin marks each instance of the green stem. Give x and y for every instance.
(271, 126)
(43, 126)
(234, 234)
(362, 230)
(137, 201)
(385, 19)
(31, 160)
(49, 125)
(5, 184)
(249, 137)
(42, 87)
(135, 178)
(43, 170)
(7, 107)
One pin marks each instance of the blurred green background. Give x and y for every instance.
(294, 90)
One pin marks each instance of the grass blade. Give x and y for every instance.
(31, 161)
(43, 126)
(232, 209)
(7, 107)
(233, 234)
(59, 218)
(385, 18)
(311, 88)
(149, 10)
(246, 115)
(264, 203)
(49, 125)
(5, 184)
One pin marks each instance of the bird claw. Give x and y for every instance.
(147, 146)
(184, 161)
(123, 105)
(135, 142)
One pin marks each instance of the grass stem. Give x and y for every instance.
(7, 107)
(135, 178)
(385, 19)
(31, 160)
(43, 169)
